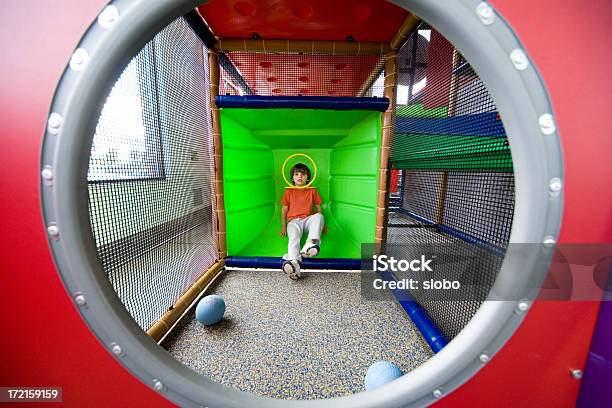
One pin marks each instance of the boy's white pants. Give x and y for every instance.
(313, 225)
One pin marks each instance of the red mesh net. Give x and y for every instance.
(275, 74)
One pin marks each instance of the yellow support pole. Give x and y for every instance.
(452, 108)
(219, 199)
(404, 31)
(454, 85)
(372, 78)
(385, 148)
(161, 327)
(442, 198)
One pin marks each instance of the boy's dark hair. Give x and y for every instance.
(300, 167)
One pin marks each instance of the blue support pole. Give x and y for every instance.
(428, 329)
(265, 262)
(302, 102)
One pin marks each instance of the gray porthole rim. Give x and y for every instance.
(521, 99)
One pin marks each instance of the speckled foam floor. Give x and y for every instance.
(307, 339)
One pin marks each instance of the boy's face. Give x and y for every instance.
(300, 178)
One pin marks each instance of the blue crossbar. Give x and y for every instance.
(428, 329)
(480, 124)
(302, 102)
(268, 262)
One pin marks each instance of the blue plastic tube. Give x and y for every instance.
(302, 102)
(428, 329)
(277, 263)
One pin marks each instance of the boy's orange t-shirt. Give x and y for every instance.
(300, 201)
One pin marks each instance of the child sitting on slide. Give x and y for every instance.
(298, 217)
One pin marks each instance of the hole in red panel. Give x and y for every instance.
(303, 79)
(336, 81)
(272, 79)
(265, 64)
(303, 64)
(360, 12)
(302, 10)
(340, 66)
(244, 8)
(276, 90)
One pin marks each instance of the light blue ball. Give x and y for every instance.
(210, 309)
(380, 373)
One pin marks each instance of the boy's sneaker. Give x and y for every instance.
(292, 269)
(311, 251)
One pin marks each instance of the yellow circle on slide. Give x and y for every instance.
(313, 164)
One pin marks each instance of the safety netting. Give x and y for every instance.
(149, 175)
(452, 178)
(301, 74)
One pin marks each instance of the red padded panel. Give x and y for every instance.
(44, 341)
(292, 74)
(439, 71)
(533, 368)
(364, 20)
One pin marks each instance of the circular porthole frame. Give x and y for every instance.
(123, 28)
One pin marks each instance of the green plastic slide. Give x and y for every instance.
(345, 146)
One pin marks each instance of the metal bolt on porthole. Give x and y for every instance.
(519, 59)
(437, 393)
(116, 349)
(549, 241)
(47, 173)
(485, 13)
(158, 385)
(522, 306)
(108, 17)
(555, 185)
(53, 231)
(547, 124)
(484, 358)
(54, 123)
(79, 59)
(80, 299)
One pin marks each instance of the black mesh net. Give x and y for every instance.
(150, 167)
(452, 179)
(149, 175)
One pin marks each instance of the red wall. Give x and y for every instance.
(570, 44)
(44, 342)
